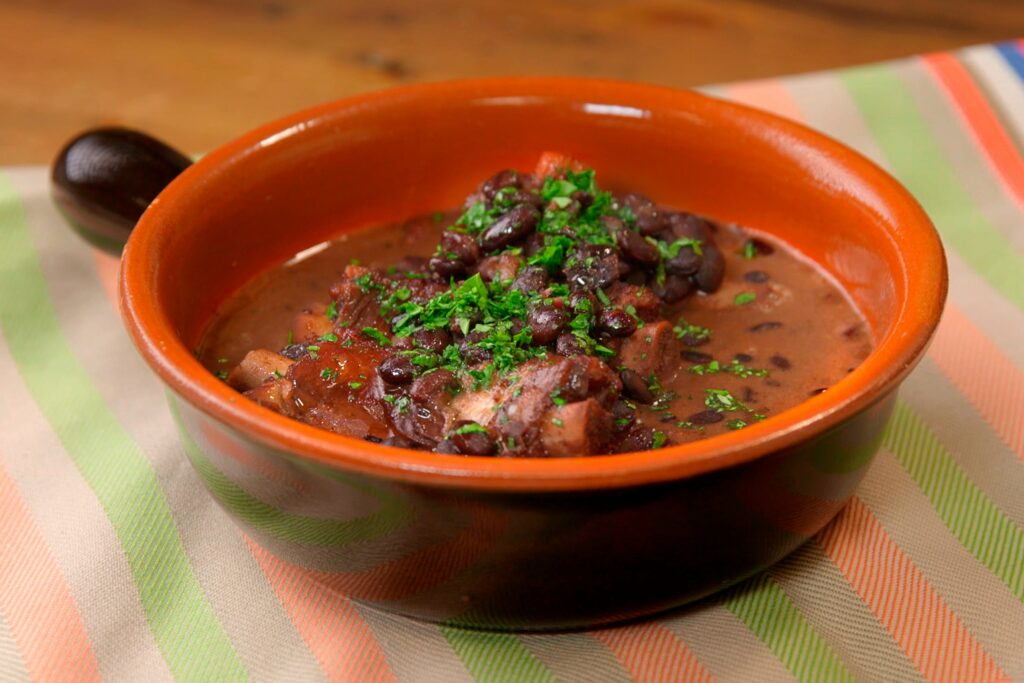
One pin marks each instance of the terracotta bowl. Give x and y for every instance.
(527, 543)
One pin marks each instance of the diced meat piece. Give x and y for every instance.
(645, 304)
(274, 395)
(502, 267)
(554, 163)
(257, 367)
(576, 429)
(336, 387)
(647, 349)
(307, 326)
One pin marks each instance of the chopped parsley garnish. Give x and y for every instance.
(658, 440)
(691, 333)
(376, 335)
(734, 367)
(329, 337)
(332, 310)
(313, 350)
(749, 250)
(354, 385)
(328, 373)
(222, 360)
(471, 428)
(721, 401)
(222, 374)
(744, 298)
(736, 424)
(557, 422)
(556, 399)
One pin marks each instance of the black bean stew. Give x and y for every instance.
(550, 318)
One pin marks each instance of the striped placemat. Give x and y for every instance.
(113, 565)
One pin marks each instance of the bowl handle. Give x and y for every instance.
(104, 179)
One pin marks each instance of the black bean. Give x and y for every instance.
(749, 395)
(706, 417)
(636, 248)
(472, 442)
(756, 276)
(781, 362)
(568, 345)
(674, 288)
(507, 178)
(694, 340)
(591, 267)
(760, 247)
(431, 387)
(546, 322)
(625, 416)
(819, 390)
(712, 269)
(743, 357)
(584, 199)
(686, 262)
(615, 322)
(534, 244)
(766, 326)
(648, 219)
(461, 245)
(446, 267)
(446, 446)
(667, 417)
(396, 369)
(373, 439)
(510, 228)
(583, 301)
(635, 387)
(432, 340)
(696, 356)
(688, 226)
(613, 224)
(531, 279)
(294, 351)
(470, 352)
(517, 197)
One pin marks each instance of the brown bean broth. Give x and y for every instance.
(821, 339)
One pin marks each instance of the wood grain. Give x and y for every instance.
(198, 73)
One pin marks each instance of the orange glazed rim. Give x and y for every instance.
(923, 275)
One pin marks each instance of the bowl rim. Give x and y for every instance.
(889, 362)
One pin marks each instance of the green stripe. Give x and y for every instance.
(496, 657)
(916, 159)
(182, 621)
(973, 518)
(764, 607)
(391, 516)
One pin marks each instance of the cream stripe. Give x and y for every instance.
(973, 171)
(12, 666)
(416, 651)
(831, 606)
(988, 462)
(1002, 86)
(65, 508)
(986, 606)
(825, 103)
(575, 657)
(266, 646)
(724, 645)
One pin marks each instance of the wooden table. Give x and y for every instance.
(197, 73)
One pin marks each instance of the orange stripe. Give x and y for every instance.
(920, 621)
(982, 121)
(35, 599)
(331, 627)
(107, 269)
(770, 95)
(982, 373)
(651, 653)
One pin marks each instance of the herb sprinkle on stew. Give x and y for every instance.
(548, 317)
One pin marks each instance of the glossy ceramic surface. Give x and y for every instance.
(528, 543)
